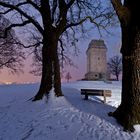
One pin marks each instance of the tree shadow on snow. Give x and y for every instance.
(93, 107)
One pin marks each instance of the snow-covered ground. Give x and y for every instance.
(64, 118)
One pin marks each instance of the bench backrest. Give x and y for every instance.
(95, 92)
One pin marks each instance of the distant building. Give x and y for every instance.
(96, 61)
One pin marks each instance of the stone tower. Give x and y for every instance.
(96, 61)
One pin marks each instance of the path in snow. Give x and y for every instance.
(64, 118)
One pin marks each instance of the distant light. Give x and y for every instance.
(7, 83)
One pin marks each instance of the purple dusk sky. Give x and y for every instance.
(112, 42)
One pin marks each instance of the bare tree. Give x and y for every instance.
(64, 59)
(68, 76)
(59, 18)
(115, 66)
(11, 54)
(128, 113)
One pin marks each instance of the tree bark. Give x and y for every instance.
(128, 113)
(46, 78)
(57, 77)
(50, 68)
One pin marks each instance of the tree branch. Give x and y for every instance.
(54, 9)
(122, 11)
(62, 9)
(80, 22)
(6, 12)
(46, 14)
(29, 46)
(5, 63)
(61, 22)
(34, 5)
(70, 4)
(14, 25)
(16, 8)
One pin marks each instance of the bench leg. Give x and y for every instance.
(104, 98)
(86, 97)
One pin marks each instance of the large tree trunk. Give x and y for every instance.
(50, 69)
(57, 77)
(46, 79)
(128, 113)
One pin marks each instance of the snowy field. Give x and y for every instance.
(64, 118)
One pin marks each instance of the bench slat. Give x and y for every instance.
(93, 93)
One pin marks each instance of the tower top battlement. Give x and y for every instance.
(97, 44)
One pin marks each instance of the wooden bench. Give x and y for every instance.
(96, 92)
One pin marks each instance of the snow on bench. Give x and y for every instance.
(96, 92)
